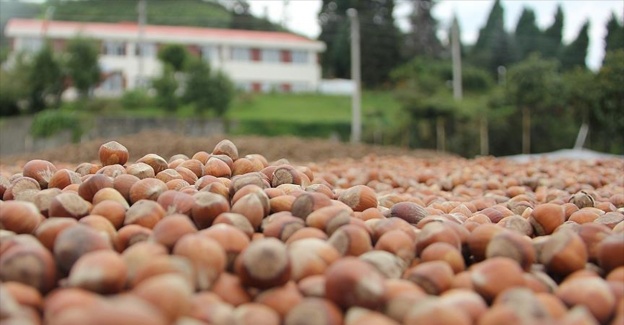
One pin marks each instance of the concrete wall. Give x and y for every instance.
(15, 137)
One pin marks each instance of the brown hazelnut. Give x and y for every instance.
(112, 210)
(434, 277)
(171, 228)
(436, 232)
(351, 240)
(174, 202)
(409, 211)
(69, 205)
(431, 310)
(480, 238)
(130, 235)
(113, 152)
(207, 256)
(254, 206)
(310, 256)
(20, 217)
(101, 271)
(63, 177)
(609, 252)
(24, 295)
(229, 288)
(237, 220)
(112, 171)
(39, 170)
(157, 162)
(364, 316)
(495, 275)
(139, 254)
(123, 183)
(389, 265)
(512, 245)
(92, 185)
(353, 282)
(251, 313)
(49, 228)
(398, 243)
(226, 147)
(207, 207)
(281, 299)
(359, 197)
(217, 167)
(591, 292)
(29, 264)
(283, 227)
(442, 251)
(546, 217)
(76, 241)
(232, 239)
(563, 253)
(140, 170)
(144, 213)
(314, 311)
(264, 264)
(308, 202)
(177, 300)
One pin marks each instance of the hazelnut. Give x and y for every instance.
(112, 210)
(436, 232)
(146, 213)
(207, 207)
(76, 241)
(351, 240)
(20, 217)
(171, 228)
(24, 295)
(495, 275)
(308, 202)
(140, 170)
(217, 168)
(546, 217)
(306, 232)
(139, 254)
(177, 300)
(359, 197)
(237, 220)
(113, 152)
(49, 228)
(517, 224)
(264, 264)
(30, 264)
(442, 251)
(398, 243)
(64, 177)
(157, 162)
(563, 253)
(92, 185)
(253, 206)
(206, 255)
(389, 265)
(69, 205)
(232, 239)
(87, 168)
(195, 166)
(314, 311)
(480, 238)
(175, 202)
(283, 227)
(364, 316)
(408, 211)
(229, 288)
(609, 252)
(281, 299)
(112, 171)
(123, 183)
(251, 313)
(102, 271)
(39, 170)
(353, 282)
(130, 235)
(430, 310)
(310, 256)
(147, 189)
(512, 245)
(591, 292)
(226, 147)
(434, 277)
(163, 264)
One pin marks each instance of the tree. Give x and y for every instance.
(614, 39)
(581, 93)
(207, 90)
(610, 79)
(82, 64)
(166, 87)
(550, 44)
(526, 34)
(493, 46)
(44, 80)
(334, 25)
(532, 86)
(574, 54)
(423, 39)
(379, 41)
(379, 37)
(174, 55)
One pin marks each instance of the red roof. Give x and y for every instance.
(154, 30)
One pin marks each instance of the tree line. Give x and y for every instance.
(525, 90)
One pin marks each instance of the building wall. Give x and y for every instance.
(284, 71)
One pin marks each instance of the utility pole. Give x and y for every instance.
(46, 21)
(356, 114)
(456, 53)
(141, 9)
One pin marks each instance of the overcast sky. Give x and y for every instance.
(301, 16)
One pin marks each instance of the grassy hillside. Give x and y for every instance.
(159, 12)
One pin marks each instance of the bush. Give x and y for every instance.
(49, 122)
(136, 98)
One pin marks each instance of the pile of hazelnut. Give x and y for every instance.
(218, 238)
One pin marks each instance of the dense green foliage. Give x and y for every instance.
(82, 64)
(45, 80)
(166, 87)
(174, 55)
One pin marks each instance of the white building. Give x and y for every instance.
(254, 60)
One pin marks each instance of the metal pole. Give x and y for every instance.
(356, 121)
(456, 53)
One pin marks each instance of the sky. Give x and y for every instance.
(301, 17)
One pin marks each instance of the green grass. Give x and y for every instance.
(310, 108)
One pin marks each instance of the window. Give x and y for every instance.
(241, 54)
(146, 50)
(299, 57)
(270, 55)
(32, 44)
(297, 87)
(114, 48)
(113, 83)
(209, 53)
